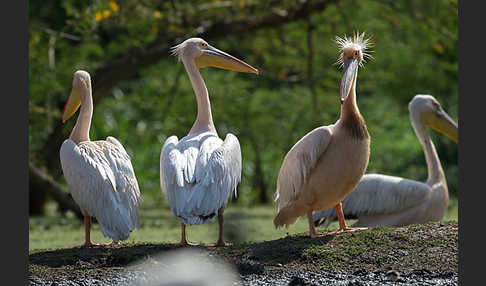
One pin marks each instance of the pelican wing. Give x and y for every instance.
(198, 174)
(171, 165)
(122, 162)
(299, 162)
(378, 194)
(223, 168)
(101, 179)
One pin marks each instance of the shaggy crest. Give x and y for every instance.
(358, 40)
(177, 50)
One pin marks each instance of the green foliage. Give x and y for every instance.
(415, 51)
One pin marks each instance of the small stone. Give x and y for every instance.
(359, 272)
(392, 275)
(297, 281)
(355, 283)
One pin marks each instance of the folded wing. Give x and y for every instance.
(102, 181)
(298, 164)
(378, 194)
(198, 174)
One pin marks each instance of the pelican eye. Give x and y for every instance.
(436, 105)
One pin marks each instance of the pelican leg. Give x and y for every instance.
(342, 223)
(87, 231)
(221, 241)
(312, 228)
(183, 241)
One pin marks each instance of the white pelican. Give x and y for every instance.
(199, 173)
(325, 165)
(393, 201)
(99, 174)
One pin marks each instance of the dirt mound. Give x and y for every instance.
(428, 249)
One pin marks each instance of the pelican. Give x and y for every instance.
(99, 174)
(325, 165)
(199, 173)
(381, 200)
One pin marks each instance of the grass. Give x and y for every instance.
(158, 225)
(431, 246)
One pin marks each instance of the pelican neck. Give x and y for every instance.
(204, 119)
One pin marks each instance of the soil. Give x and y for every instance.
(414, 255)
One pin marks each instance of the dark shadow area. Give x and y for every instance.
(248, 258)
(110, 256)
(286, 249)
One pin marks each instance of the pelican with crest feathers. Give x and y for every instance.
(325, 165)
(99, 174)
(382, 200)
(199, 173)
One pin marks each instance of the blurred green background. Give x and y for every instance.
(143, 95)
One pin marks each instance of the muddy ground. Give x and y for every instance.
(414, 255)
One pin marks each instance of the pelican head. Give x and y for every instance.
(432, 114)
(353, 54)
(204, 55)
(81, 83)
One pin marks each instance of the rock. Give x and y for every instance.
(392, 275)
(297, 281)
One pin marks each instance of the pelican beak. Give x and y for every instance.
(71, 106)
(212, 57)
(349, 75)
(445, 125)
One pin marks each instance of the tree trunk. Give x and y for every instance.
(40, 185)
(259, 181)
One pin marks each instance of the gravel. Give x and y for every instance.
(276, 278)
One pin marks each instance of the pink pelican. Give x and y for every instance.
(382, 200)
(325, 165)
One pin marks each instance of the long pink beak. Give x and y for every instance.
(349, 72)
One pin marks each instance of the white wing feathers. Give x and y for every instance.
(101, 179)
(379, 194)
(299, 162)
(171, 164)
(198, 174)
(121, 160)
(224, 167)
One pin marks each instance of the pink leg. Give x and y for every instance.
(312, 228)
(221, 241)
(183, 241)
(87, 232)
(342, 223)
